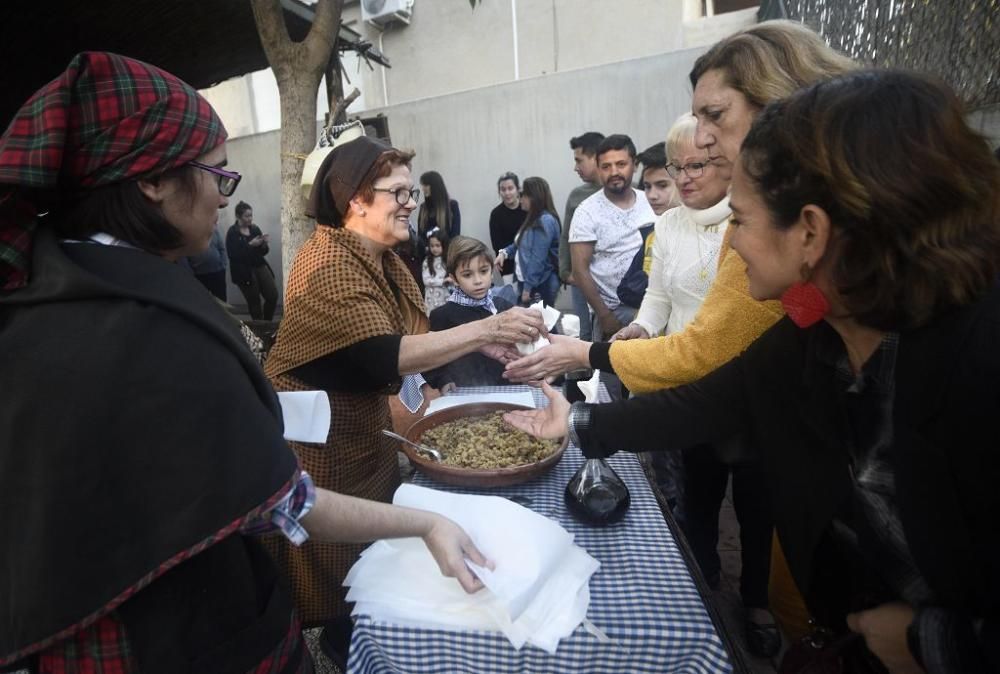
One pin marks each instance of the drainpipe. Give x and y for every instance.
(513, 21)
(385, 88)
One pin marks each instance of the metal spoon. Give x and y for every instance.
(433, 453)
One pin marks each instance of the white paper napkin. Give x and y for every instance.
(537, 593)
(570, 324)
(590, 388)
(523, 398)
(551, 316)
(306, 415)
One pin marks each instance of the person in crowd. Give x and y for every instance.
(685, 256)
(247, 247)
(506, 219)
(438, 211)
(407, 252)
(434, 273)
(210, 267)
(470, 267)
(137, 516)
(605, 234)
(535, 249)
(584, 149)
(661, 194)
(732, 82)
(355, 327)
(870, 400)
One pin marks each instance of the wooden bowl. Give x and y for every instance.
(473, 477)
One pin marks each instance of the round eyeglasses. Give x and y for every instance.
(228, 180)
(693, 170)
(402, 194)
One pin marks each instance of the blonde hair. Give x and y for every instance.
(770, 60)
(681, 133)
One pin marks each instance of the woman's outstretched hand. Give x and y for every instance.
(550, 423)
(515, 326)
(561, 355)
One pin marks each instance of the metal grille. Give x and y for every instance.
(957, 40)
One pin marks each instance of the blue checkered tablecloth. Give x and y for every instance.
(642, 597)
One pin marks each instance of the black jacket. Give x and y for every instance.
(472, 369)
(242, 256)
(945, 452)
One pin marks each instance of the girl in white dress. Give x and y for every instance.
(436, 288)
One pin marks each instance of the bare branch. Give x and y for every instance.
(340, 112)
(322, 37)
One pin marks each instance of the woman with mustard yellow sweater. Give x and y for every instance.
(732, 82)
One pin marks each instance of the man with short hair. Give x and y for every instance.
(605, 235)
(505, 219)
(584, 149)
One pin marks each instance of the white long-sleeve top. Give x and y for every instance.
(686, 247)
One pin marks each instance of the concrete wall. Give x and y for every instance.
(447, 47)
(474, 136)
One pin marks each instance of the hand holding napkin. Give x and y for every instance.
(537, 593)
(551, 316)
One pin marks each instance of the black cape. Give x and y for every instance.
(137, 432)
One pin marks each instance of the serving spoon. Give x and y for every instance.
(433, 453)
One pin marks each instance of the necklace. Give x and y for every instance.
(702, 262)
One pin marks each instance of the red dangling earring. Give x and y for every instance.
(804, 302)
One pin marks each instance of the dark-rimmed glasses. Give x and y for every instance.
(228, 180)
(693, 170)
(402, 194)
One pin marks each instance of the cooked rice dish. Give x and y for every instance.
(486, 442)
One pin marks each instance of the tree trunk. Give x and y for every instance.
(298, 68)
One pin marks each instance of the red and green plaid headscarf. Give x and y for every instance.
(104, 120)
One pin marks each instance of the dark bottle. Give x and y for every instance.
(596, 494)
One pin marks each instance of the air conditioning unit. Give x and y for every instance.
(381, 12)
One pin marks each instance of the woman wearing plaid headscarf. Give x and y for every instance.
(141, 448)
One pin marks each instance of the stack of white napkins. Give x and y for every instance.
(551, 316)
(538, 592)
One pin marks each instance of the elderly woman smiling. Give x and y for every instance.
(354, 326)
(870, 402)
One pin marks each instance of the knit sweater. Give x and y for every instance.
(727, 323)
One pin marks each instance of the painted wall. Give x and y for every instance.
(474, 136)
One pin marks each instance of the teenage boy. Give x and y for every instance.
(584, 149)
(469, 264)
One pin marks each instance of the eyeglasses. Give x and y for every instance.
(402, 194)
(693, 170)
(228, 180)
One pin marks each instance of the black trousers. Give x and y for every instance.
(261, 283)
(705, 479)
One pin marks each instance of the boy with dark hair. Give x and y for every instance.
(584, 149)
(469, 265)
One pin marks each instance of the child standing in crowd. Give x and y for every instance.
(435, 284)
(470, 269)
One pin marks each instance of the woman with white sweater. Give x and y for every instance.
(686, 240)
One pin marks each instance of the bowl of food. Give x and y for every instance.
(479, 448)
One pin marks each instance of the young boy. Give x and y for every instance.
(469, 264)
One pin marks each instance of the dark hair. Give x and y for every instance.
(586, 142)
(435, 233)
(912, 192)
(242, 208)
(509, 175)
(463, 250)
(770, 60)
(439, 201)
(653, 157)
(124, 212)
(616, 141)
(537, 190)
